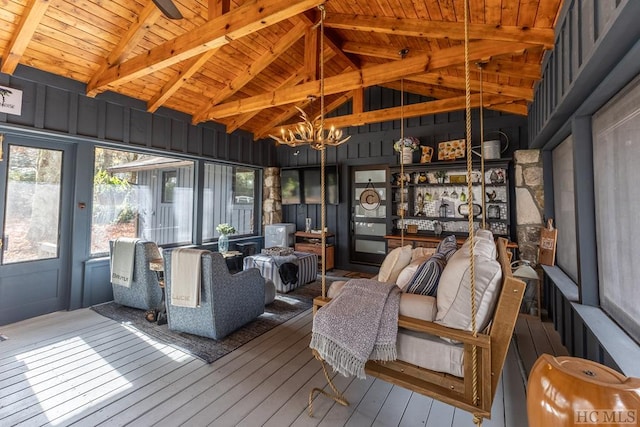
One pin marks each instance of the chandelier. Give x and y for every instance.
(312, 132)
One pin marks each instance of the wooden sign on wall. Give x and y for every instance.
(547, 249)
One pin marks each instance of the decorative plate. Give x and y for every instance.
(369, 199)
(450, 150)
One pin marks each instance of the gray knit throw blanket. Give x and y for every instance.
(359, 324)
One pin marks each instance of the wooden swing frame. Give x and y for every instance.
(492, 351)
(484, 352)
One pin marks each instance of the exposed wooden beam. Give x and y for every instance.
(311, 49)
(487, 87)
(521, 70)
(358, 101)
(145, 19)
(440, 29)
(513, 108)
(239, 22)
(408, 111)
(376, 51)
(366, 77)
(190, 66)
(218, 8)
(292, 80)
(188, 69)
(31, 17)
(333, 41)
(245, 76)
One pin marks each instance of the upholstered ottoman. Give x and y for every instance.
(268, 266)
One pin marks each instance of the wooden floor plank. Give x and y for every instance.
(340, 415)
(440, 415)
(393, 408)
(171, 399)
(554, 339)
(367, 410)
(196, 399)
(417, 411)
(294, 386)
(232, 404)
(515, 404)
(539, 336)
(524, 342)
(128, 380)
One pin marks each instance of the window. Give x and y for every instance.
(616, 150)
(169, 181)
(565, 209)
(229, 196)
(140, 195)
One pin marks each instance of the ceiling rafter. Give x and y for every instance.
(33, 13)
(239, 22)
(366, 77)
(411, 110)
(145, 19)
(244, 77)
(440, 29)
(292, 80)
(497, 66)
(487, 87)
(190, 66)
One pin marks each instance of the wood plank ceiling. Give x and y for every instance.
(246, 63)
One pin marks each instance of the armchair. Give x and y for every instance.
(144, 291)
(227, 301)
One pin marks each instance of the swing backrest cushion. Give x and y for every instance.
(393, 264)
(453, 294)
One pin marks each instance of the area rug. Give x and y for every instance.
(285, 307)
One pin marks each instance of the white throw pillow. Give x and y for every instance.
(454, 289)
(393, 264)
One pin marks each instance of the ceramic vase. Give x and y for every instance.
(223, 243)
(407, 155)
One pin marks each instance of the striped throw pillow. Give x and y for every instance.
(425, 281)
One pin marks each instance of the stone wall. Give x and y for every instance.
(271, 197)
(529, 202)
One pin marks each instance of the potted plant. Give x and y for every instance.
(440, 176)
(406, 146)
(223, 241)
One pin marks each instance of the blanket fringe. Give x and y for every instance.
(341, 360)
(384, 352)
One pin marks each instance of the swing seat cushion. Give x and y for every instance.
(430, 352)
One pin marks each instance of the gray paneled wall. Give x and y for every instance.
(57, 105)
(373, 145)
(592, 36)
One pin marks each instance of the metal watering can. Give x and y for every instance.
(493, 147)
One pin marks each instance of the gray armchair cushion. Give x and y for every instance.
(144, 292)
(227, 301)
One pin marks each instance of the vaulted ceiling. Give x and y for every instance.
(247, 63)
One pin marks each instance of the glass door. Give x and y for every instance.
(368, 214)
(33, 255)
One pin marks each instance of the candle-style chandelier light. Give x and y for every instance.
(312, 132)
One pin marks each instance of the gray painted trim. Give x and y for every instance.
(563, 282)
(622, 349)
(585, 211)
